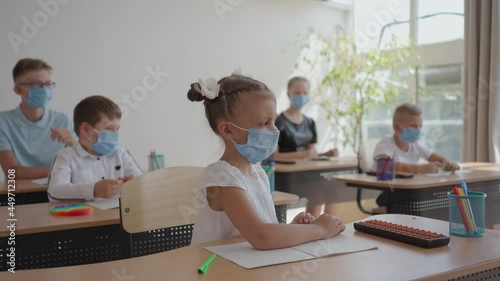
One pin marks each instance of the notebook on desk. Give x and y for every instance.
(105, 204)
(42, 181)
(248, 257)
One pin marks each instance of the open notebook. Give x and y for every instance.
(248, 257)
(105, 204)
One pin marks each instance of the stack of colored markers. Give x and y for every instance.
(153, 158)
(465, 208)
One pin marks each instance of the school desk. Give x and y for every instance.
(426, 195)
(463, 259)
(308, 174)
(26, 192)
(43, 240)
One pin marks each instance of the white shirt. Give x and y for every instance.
(74, 171)
(415, 151)
(213, 225)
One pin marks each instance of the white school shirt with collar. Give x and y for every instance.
(415, 151)
(213, 225)
(74, 172)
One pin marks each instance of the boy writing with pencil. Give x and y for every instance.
(95, 167)
(405, 146)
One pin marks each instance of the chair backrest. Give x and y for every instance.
(366, 150)
(159, 199)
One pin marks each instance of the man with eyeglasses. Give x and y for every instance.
(31, 134)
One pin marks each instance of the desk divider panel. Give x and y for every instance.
(155, 241)
(26, 198)
(64, 248)
(490, 274)
(433, 202)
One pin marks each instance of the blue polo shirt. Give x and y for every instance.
(30, 141)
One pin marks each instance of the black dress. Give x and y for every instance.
(295, 138)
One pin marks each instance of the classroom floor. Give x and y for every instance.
(347, 211)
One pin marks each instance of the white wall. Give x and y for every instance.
(105, 47)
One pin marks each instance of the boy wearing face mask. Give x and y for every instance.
(96, 166)
(31, 134)
(405, 147)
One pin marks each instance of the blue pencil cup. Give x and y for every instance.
(386, 168)
(467, 214)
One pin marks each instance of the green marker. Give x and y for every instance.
(204, 267)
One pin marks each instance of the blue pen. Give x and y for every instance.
(463, 184)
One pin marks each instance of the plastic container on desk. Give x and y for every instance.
(386, 168)
(467, 214)
(268, 165)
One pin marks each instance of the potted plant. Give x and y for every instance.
(350, 83)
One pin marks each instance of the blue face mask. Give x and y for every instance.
(298, 101)
(259, 146)
(106, 142)
(410, 135)
(39, 97)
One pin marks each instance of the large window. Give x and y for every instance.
(436, 28)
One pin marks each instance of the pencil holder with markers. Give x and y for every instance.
(467, 214)
(386, 168)
(268, 165)
(156, 161)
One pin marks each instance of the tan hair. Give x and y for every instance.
(297, 79)
(25, 65)
(231, 89)
(406, 109)
(91, 109)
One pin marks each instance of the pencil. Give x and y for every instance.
(469, 207)
(463, 213)
(156, 160)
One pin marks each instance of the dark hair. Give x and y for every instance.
(90, 110)
(28, 64)
(406, 109)
(230, 90)
(297, 79)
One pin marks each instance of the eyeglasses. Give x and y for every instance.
(38, 84)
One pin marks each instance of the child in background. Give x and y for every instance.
(405, 147)
(234, 192)
(32, 134)
(95, 167)
(297, 141)
(297, 131)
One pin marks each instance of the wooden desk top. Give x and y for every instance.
(35, 218)
(477, 173)
(313, 165)
(283, 198)
(392, 261)
(23, 186)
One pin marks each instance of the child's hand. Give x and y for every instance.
(450, 166)
(303, 218)
(62, 135)
(331, 225)
(107, 188)
(126, 178)
(332, 152)
(310, 153)
(430, 168)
